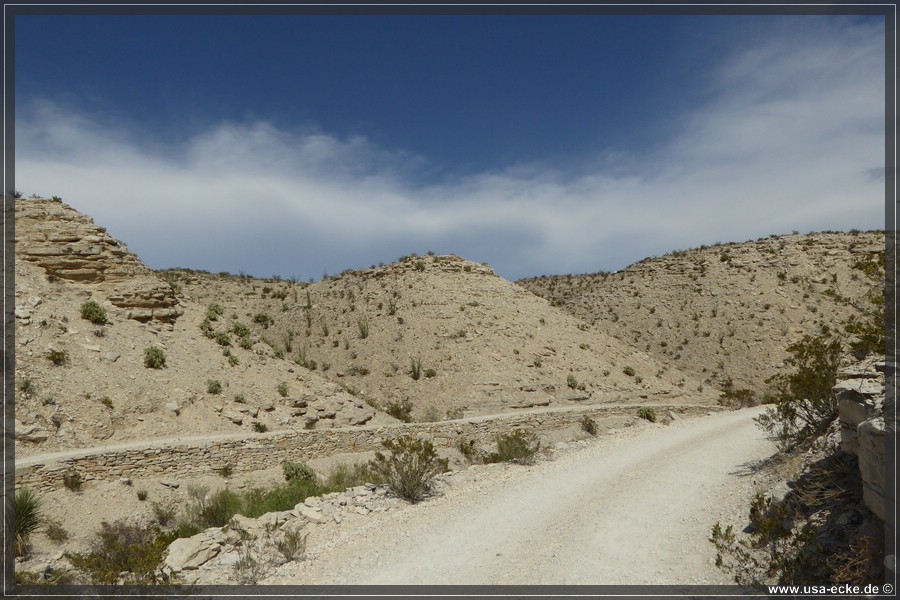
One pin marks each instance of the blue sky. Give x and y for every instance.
(304, 145)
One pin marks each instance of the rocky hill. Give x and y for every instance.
(426, 338)
(725, 314)
(443, 337)
(80, 383)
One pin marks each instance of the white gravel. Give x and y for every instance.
(634, 506)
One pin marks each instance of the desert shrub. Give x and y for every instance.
(772, 553)
(521, 446)
(222, 338)
(571, 381)
(248, 570)
(263, 319)
(346, 476)
(123, 551)
(27, 515)
(804, 404)
(628, 371)
(257, 502)
(260, 427)
(411, 468)
(429, 373)
(55, 531)
(154, 358)
(72, 480)
(164, 514)
(240, 330)
(141, 494)
(298, 472)
(214, 386)
(58, 357)
(93, 312)
(291, 544)
(400, 410)
(214, 311)
(283, 389)
(210, 510)
(647, 413)
(588, 425)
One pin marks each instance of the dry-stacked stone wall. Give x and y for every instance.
(263, 451)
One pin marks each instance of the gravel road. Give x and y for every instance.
(633, 506)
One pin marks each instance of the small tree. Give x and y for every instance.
(411, 468)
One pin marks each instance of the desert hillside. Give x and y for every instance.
(445, 335)
(81, 383)
(725, 314)
(437, 336)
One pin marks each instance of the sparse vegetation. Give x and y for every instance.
(283, 389)
(123, 552)
(521, 447)
(588, 425)
(411, 467)
(154, 358)
(213, 386)
(647, 413)
(58, 357)
(93, 312)
(804, 404)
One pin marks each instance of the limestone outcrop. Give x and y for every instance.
(69, 246)
(860, 395)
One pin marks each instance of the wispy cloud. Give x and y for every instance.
(788, 137)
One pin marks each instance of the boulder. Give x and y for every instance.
(190, 553)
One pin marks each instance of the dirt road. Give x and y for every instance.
(633, 506)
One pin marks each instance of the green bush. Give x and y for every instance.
(214, 311)
(298, 471)
(27, 515)
(521, 446)
(647, 413)
(283, 389)
(93, 312)
(154, 358)
(257, 502)
(214, 386)
(123, 551)
(411, 468)
(628, 371)
(240, 330)
(804, 404)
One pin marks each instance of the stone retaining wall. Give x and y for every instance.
(266, 450)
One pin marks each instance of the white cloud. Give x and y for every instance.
(788, 139)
